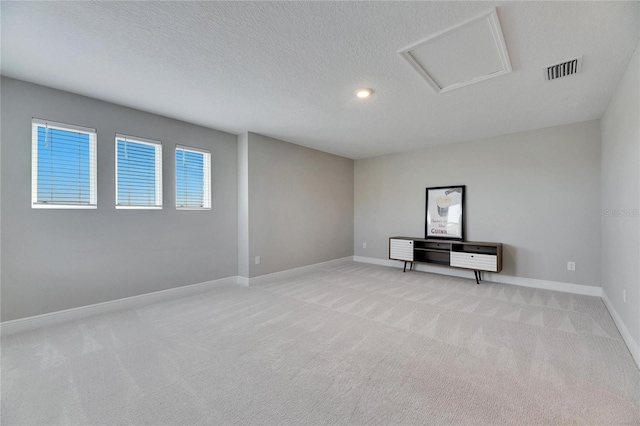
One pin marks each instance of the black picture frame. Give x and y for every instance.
(444, 212)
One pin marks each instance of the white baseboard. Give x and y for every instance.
(524, 282)
(24, 324)
(292, 272)
(628, 339)
(585, 290)
(52, 318)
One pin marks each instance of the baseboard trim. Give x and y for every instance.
(23, 324)
(52, 318)
(584, 290)
(633, 346)
(292, 272)
(626, 336)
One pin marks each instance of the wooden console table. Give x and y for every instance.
(477, 256)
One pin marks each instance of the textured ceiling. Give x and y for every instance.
(289, 69)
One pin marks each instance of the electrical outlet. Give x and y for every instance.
(364, 245)
(257, 260)
(571, 266)
(624, 295)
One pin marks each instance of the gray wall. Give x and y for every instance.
(59, 259)
(537, 192)
(300, 205)
(243, 205)
(621, 198)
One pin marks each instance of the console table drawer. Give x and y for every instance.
(478, 262)
(401, 250)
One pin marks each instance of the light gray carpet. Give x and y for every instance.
(353, 344)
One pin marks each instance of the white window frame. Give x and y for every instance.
(206, 189)
(93, 164)
(158, 170)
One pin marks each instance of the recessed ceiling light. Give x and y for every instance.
(364, 93)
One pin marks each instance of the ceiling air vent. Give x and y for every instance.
(564, 69)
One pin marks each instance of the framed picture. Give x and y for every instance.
(445, 213)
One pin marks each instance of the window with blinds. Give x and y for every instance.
(193, 178)
(138, 173)
(63, 165)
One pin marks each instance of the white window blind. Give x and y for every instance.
(63, 165)
(193, 178)
(138, 173)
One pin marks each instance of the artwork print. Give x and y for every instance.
(445, 212)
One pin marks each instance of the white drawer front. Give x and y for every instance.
(401, 250)
(479, 262)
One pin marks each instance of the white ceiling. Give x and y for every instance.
(289, 69)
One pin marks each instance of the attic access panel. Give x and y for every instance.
(467, 53)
